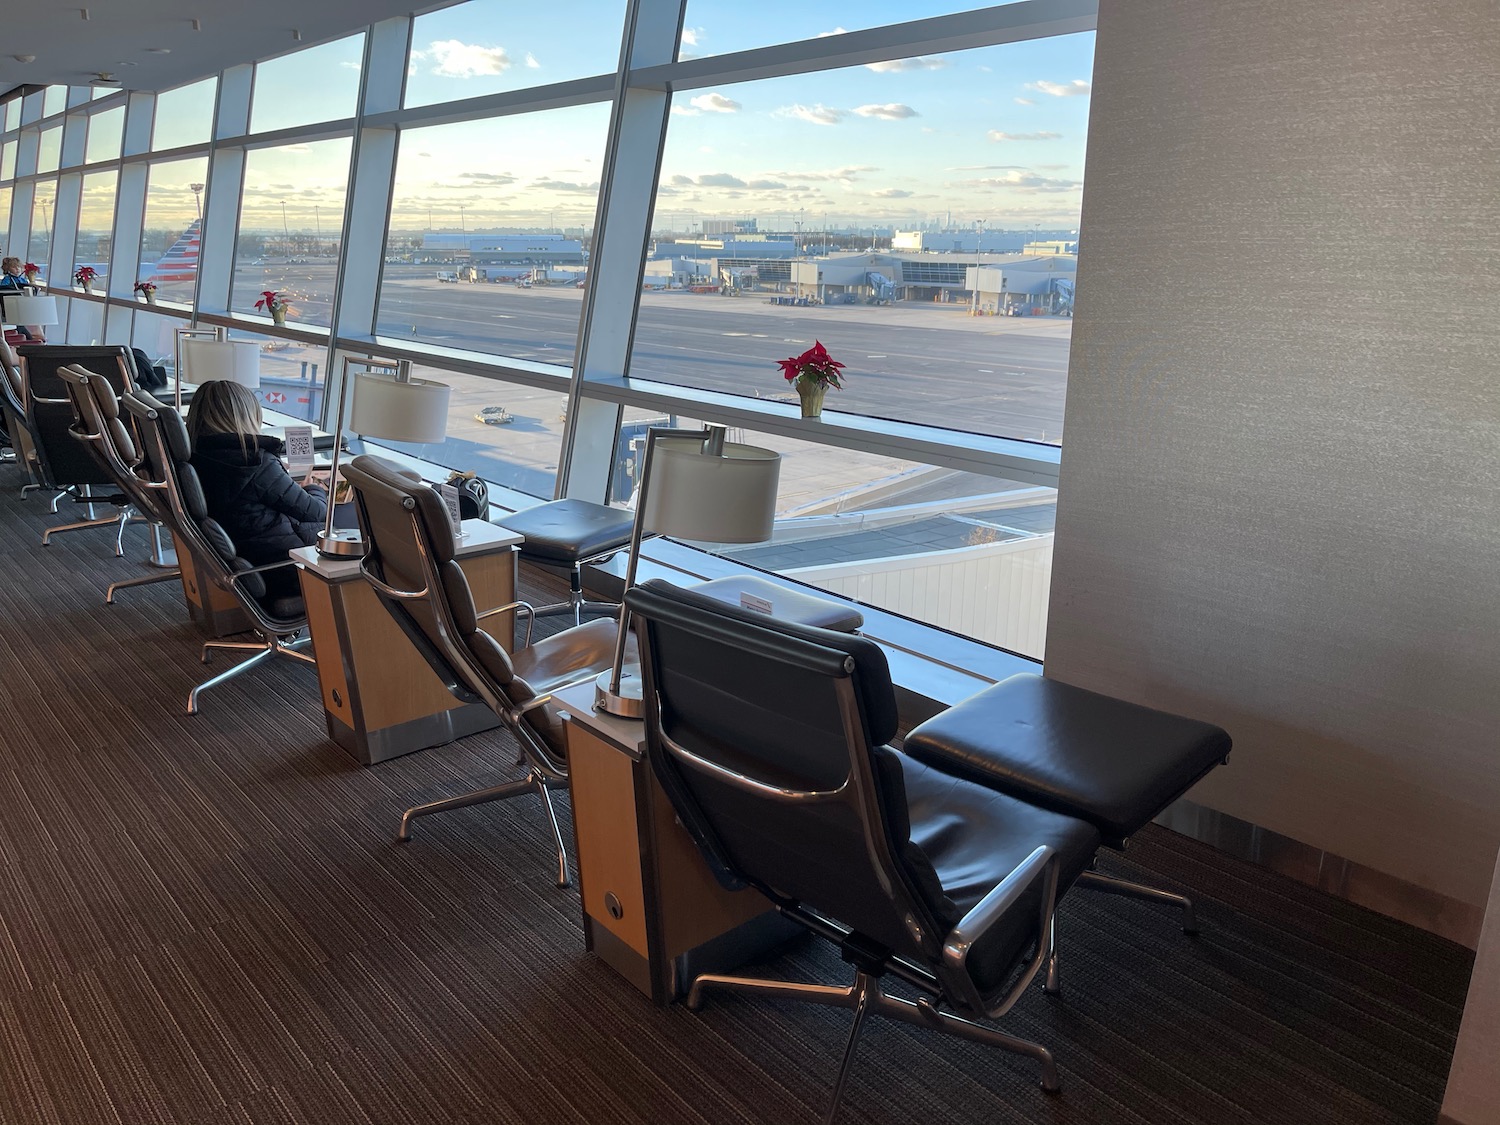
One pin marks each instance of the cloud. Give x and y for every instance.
(690, 36)
(682, 181)
(720, 179)
(841, 175)
(714, 103)
(456, 59)
(495, 178)
(997, 135)
(891, 111)
(685, 111)
(986, 168)
(531, 63)
(896, 66)
(568, 186)
(1077, 88)
(766, 185)
(819, 114)
(1027, 183)
(891, 193)
(1024, 101)
(835, 31)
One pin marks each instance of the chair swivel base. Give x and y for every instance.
(145, 580)
(265, 650)
(866, 997)
(533, 782)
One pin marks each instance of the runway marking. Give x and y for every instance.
(876, 357)
(735, 333)
(986, 371)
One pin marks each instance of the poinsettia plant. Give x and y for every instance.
(31, 269)
(84, 275)
(814, 366)
(271, 300)
(145, 287)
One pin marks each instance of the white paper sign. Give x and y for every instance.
(450, 497)
(754, 604)
(299, 451)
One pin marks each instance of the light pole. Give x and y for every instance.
(318, 228)
(197, 190)
(286, 235)
(978, 261)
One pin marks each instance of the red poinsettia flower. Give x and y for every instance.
(31, 267)
(270, 300)
(84, 274)
(813, 366)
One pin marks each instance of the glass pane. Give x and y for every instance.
(962, 551)
(13, 114)
(318, 84)
(5, 201)
(39, 247)
(714, 27)
(184, 116)
(291, 375)
(8, 160)
(782, 195)
(54, 100)
(96, 218)
(49, 149)
(85, 322)
(509, 434)
(153, 334)
(105, 131)
(291, 219)
(487, 46)
(494, 202)
(169, 236)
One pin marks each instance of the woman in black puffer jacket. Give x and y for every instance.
(247, 489)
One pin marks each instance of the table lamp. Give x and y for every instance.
(204, 354)
(694, 485)
(388, 404)
(20, 308)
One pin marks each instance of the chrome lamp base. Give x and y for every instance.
(625, 703)
(342, 544)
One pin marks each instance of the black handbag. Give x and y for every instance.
(473, 495)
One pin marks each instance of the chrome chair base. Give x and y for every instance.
(267, 649)
(1109, 885)
(118, 520)
(865, 996)
(533, 782)
(144, 580)
(577, 606)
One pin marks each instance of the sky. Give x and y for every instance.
(993, 136)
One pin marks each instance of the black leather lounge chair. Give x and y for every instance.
(109, 439)
(279, 624)
(770, 740)
(412, 567)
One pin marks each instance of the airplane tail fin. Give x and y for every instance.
(180, 262)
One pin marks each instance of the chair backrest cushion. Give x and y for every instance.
(796, 708)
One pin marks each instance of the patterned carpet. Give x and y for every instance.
(206, 920)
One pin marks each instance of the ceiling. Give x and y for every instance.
(126, 37)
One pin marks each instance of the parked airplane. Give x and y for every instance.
(180, 262)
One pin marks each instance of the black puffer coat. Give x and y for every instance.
(263, 509)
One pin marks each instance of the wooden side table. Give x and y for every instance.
(380, 696)
(652, 910)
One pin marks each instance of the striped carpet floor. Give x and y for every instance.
(206, 921)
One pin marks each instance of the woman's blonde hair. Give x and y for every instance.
(221, 406)
(8, 263)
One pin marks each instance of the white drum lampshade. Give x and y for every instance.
(24, 308)
(411, 410)
(205, 360)
(729, 498)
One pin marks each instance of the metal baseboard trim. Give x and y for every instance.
(1396, 898)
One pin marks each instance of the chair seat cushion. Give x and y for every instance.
(787, 604)
(567, 531)
(974, 837)
(1112, 763)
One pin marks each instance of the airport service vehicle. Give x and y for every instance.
(447, 277)
(494, 416)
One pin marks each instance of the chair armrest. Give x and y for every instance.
(527, 607)
(387, 589)
(1039, 867)
(236, 575)
(541, 700)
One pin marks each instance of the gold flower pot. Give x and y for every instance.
(811, 395)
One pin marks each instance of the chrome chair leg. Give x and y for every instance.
(1108, 884)
(82, 525)
(557, 838)
(1052, 983)
(161, 555)
(124, 520)
(57, 499)
(529, 784)
(230, 646)
(144, 580)
(925, 1014)
(865, 988)
(266, 653)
